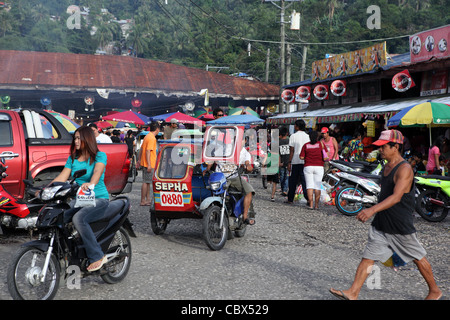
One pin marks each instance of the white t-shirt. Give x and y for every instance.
(103, 138)
(297, 140)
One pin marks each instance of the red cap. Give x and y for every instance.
(324, 130)
(389, 136)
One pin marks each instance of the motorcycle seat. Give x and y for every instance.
(436, 176)
(114, 207)
(373, 177)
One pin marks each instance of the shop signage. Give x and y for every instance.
(321, 92)
(353, 62)
(402, 81)
(434, 82)
(288, 95)
(303, 93)
(428, 44)
(338, 88)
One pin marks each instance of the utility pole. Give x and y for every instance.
(288, 63)
(302, 71)
(282, 106)
(267, 64)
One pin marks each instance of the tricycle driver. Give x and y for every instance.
(237, 182)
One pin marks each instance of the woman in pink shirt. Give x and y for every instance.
(313, 170)
(433, 154)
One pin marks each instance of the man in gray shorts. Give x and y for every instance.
(392, 228)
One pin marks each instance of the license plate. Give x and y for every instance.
(172, 199)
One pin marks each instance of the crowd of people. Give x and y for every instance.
(301, 160)
(304, 157)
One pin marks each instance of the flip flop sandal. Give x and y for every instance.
(99, 266)
(247, 221)
(341, 296)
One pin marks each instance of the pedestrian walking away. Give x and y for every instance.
(284, 160)
(392, 228)
(296, 165)
(312, 153)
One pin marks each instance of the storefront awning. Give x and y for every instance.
(353, 112)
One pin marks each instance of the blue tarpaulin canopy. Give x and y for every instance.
(239, 119)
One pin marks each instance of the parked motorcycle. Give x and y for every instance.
(355, 167)
(15, 213)
(358, 190)
(433, 202)
(222, 212)
(35, 271)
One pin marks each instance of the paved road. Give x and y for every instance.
(291, 253)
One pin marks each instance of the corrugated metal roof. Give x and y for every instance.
(29, 69)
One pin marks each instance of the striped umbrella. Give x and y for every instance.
(68, 123)
(427, 113)
(242, 110)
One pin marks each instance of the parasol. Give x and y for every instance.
(68, 123)
(129, 116)
(239, 119)
(428, 113)
(184, 118)
(242, 110)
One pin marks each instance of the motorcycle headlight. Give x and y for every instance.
(62, 193)
(215, 185)
(49, 192)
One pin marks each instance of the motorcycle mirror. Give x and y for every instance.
(79, 173)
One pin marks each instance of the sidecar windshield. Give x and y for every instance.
(221, 142)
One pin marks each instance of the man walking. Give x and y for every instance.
(295, 165)
(392, 228)
(148, 162)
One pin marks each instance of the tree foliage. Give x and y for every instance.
(197, 33)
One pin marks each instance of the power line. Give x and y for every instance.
(321, 43)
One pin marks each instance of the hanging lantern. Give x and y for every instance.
(136, 102)
(89, 100)
(5, 99)
(288, 95)
(303, 93)
(271, 107)
(321, 92)
(338, 88)
(45, 101)
(402, 81)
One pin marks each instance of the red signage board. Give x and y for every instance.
(428, 44)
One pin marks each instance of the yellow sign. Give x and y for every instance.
(353, 62)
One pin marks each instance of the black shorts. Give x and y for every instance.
(274, 178)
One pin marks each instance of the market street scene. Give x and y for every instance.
(192, 152)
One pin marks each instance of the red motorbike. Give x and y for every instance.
(14, 213)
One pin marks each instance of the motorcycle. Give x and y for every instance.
(222, 212)
(433, 202)
(357, 190)
(14, 213)
(355, 167)
(355, 184)
(36, 269)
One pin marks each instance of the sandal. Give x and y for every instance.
(250, 222)
(97, 265)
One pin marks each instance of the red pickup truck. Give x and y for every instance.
(39, 147)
